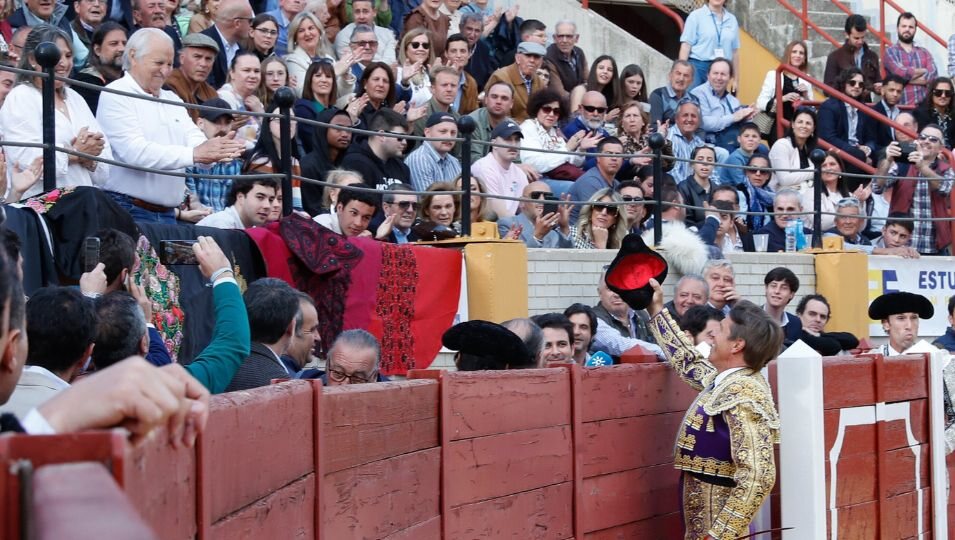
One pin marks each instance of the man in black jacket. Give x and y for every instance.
(814, 313)
(274, 315)
(328, 152)
(378, 159)
(781, 286)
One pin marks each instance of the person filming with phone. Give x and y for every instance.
(540, 225)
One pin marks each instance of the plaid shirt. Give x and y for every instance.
(897, 60)
(923, 237)
(212, 192)
(428, 167)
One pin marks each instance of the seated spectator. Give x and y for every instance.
(457, 56)
(721, 112)
(318, 95)
(522, 76)
(938, 108)
(814, 313)
(947, 340)
(483, 345)
(483, 219)
(307, 40)
(844, 127)
(664, 100)
(892, 88)
(122, 330)
(76, 127)
(61, 326)
(756, 188)
(498, 171)
(188, 81)
(432, 161)
(702, 323)
(584, 322)
(443, 93)
(601, 79)
(273, 310)
(602, 176)
(558, 338)
(781, 287)
(532, 337)
(337, 177)
(540, 131)
(365, 12)
(262, 38)
(671, 213)
(117, 253)
(230, 27)
(353, 209)
(241, 93)
(274, 76)
(328, 151)
(790, 154)
(535, 228)
(105, 63)
(632, 130)
(619, 327)
(266, 155)
(691, 290)
(834, 190)
(497, 108)
(415, 60)
(600, 225)
(925, 196)
(307, 340)
(849, 222)
(353, 359)
(721, 280)
(35, 13)
(636, 212)
(439, 210)
(211, 194)
(696, 188)
(427, 15)
(723, 227)
(377, 159)
(786, 203)
(684, 138)
(794, 88)
(589, 122)
(89, 15)
(568, 59)
(896, 237)
(154, 135)
(364, 47)
(400, 210)
(250, 203)
(632, 87)
(749, 141)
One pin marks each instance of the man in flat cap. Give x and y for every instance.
(900, 313)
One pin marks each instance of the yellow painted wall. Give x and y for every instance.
(754, 60)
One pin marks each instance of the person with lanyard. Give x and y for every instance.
(900, 313)
(710, 32)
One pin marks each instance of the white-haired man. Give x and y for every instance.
(155, 135)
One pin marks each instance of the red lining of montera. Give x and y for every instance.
(635, 271)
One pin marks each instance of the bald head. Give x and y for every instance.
(234, 19)
(532, 210)
(593, 109)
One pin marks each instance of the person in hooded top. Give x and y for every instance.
(328, 151)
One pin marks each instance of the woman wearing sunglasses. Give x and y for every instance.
(540, 131)
(939, 108)
(834, 189)
(836, 120)
(600, 225)
(415, 58)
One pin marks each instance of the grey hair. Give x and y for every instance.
(359, 339)
(141, 42)
(470, 17)
(694, 277)
(363, 29)
(389, 195)
(39, 34)
(718, 263)
(338, 176)
(533, 337)
(677, 63)
(788, 193)
(566, 21)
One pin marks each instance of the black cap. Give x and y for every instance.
(438, 117)
(631, 270)
(213, 116)
(900, 302)
(486, 339)
(505, 129)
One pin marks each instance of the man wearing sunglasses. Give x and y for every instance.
(923, 198)
(233, 22)
(539, 228)
(588, 121)
(844, 126)
(400, 213)
(364, 12)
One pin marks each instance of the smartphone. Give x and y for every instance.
(177, 252)
(90, 253)
(549, 208)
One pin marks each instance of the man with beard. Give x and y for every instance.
(188, 81)
(152, 14)
(328, 151)
(89, 15)
(854, 53)
(106, 62)
(909, 61)
(589, 119)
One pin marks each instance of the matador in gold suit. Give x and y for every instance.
(725, 444)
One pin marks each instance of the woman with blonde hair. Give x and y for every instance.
(415, 60)
(306, 42)
(600, 225)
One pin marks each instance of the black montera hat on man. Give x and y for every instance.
(631, 270)
(900, 302)
(497, 345)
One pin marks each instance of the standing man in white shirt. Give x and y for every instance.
(250, 203)
(498, 171)
(149, 134)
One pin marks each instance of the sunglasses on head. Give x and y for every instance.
(547, 109)
(941, 92)
(591, 108)
(855, 83)
(420, 45)
(605, 208)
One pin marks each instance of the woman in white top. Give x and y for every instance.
(545, 109)
(241, 93)
(833, 190)
(793, 87)
(306, 41)
(415, 60)
(21, 119)
(792, 152)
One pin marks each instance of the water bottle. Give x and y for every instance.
(791, 236)
(800, 236)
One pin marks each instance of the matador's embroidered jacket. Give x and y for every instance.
(725, 443)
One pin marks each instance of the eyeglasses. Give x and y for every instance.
(941, 92)
(930, 138)
(547, 109)
(758, 171)
(354, 378)
(591, 108)
(632, 199)
(266, 31)
(364, 44)
(420, 45)
(606, 209)
(406, 205)
(855, 83)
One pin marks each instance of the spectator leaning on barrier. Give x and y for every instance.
(702, 323)
(401, 211)
(786, 203)
(721, 279)
(619, 328)
(250, 203)
(301, 351)
(691, 290)
(558, 338)
(813, 311)
(909, 61)
(353, 359)
(925, 196)
(149, 134)
(537, 229)
(338, 177)
(61, 326)
(584, 321)
(896, 237)
(723, 227)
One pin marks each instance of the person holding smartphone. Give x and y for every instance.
(723, 227)
(539, 225)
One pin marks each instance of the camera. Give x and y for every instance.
(906, 148)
